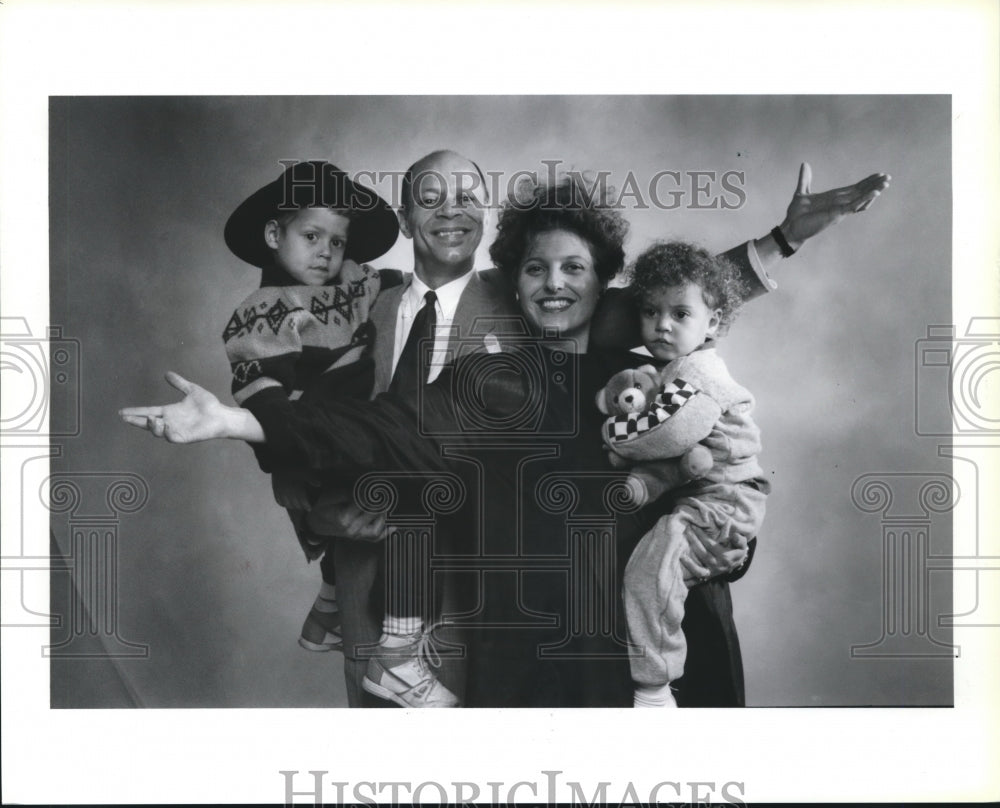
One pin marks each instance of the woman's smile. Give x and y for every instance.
(553, 304)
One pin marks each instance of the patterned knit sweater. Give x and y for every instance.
(287, 336)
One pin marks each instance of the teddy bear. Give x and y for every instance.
(638, 403)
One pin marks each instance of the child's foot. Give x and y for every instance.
(400, 672)
(321, 630)
(655, 696)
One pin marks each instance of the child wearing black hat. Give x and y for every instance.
(305, 330)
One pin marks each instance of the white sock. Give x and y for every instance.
(654, 696)
(397, 631)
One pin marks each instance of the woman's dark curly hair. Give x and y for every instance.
(567, 205)
(672, 263)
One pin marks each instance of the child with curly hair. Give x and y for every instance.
(686, 299)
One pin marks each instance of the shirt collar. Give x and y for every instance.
(447, 295)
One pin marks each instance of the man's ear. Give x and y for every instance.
(404, 226)
(272, 232)
(714, 323)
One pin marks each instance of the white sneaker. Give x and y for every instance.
(401, 674)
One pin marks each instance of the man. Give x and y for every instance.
(443, 214)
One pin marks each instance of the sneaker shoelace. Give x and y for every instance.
(427, 651)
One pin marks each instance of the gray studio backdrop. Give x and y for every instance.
(209, 586)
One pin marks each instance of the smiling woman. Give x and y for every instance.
(560, 247)
(558, 286)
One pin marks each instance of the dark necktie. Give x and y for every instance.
(407, 376)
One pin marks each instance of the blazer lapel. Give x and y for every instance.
(471, 304)
(384, 315)
(486, 299)
(487, 305)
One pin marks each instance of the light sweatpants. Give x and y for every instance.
(654, 589)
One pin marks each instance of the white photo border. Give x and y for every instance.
(225, 756)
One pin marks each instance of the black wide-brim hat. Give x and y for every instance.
(313, 183)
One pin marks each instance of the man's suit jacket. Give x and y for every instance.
(486, 306)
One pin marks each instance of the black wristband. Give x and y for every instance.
(782, 242)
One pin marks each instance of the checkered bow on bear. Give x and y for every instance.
(668, 399)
